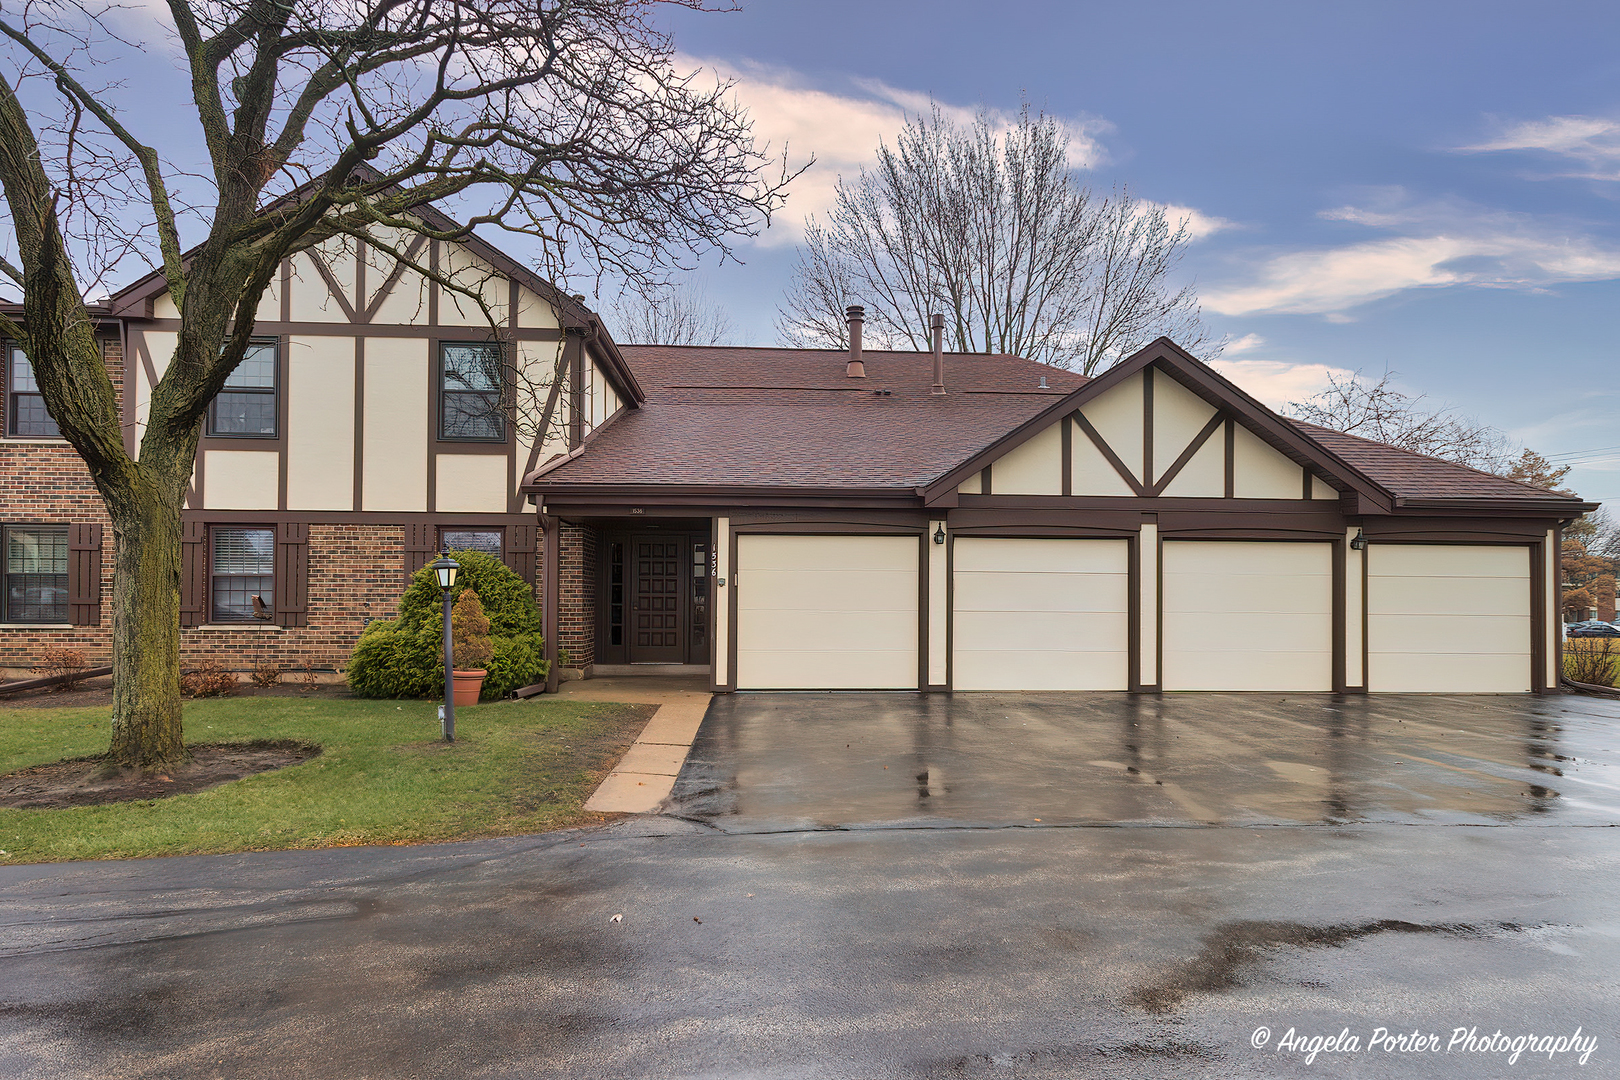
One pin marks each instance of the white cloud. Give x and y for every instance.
(1592, 140)
(1277, 382)
(1199, 224)
(1446, 244)
(843, 131)
(1246, 343)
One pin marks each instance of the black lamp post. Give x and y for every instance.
(444, 568)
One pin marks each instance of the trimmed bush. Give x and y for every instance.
(404, 657)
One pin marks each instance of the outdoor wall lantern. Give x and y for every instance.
(444, 568)
(939, 534)
(1359, 541)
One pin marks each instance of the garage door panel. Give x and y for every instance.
(1025, 592)
(1246, 632)
(1085, 632)
(1025, 670)
(1455, 595)
(1448, 618)
(810, 669)
(1247, 615)
(1500, 635)
(833, 553)
(1040, 614)
(805, 628)
(827, 612)
(1463, 673)
(814, 589)
(1278, 672)
(1204, 593)
(1002, 555)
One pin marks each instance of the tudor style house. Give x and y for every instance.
(783, 518)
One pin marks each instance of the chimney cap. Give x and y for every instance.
(855, 311)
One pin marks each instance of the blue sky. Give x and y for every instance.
(1430, 188)
(1433, 189)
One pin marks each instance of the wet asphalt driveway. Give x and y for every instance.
(1033, 885)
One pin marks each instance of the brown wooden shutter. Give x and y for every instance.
(419, 548)
(84, 575)
(193, 573)
(519, 552)
(292, 574)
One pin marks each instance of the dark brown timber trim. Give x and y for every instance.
(1067, 442)
(1147, 427)
(1231, 458)
(1108, 452)
(1193, 447)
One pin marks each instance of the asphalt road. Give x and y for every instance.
(805, 911)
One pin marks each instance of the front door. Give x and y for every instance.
(657, 633)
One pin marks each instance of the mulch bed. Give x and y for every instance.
(76, 782)
(97, 692)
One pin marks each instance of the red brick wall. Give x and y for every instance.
(576, 613)
(356, 572)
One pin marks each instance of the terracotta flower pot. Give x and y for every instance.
(468, 685)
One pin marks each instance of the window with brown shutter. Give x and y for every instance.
(36, 574)
(84, 574)
(193, 572)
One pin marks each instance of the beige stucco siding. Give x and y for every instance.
(241, 479)
(1034, 467)
(1178, 416)
(320, 423)
(1259, 472)
(1117, 416)
(471, 483)
(397, 414)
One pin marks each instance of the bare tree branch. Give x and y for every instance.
(677, 315)
(991, 228)
(1377, 410)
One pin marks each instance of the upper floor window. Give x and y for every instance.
(486, 540)
(36, 559)
(247, 408)
(244, 567)
(25, 408)
(470, 383)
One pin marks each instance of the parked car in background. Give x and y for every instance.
(1592, 628)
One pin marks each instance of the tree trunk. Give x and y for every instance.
(146, 629)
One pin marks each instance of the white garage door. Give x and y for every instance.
(1247, 615)
(826, 612)
(1448, 618)
(1040, 614)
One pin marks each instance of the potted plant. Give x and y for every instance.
(470, 647)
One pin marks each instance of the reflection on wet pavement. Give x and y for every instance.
(768, 761)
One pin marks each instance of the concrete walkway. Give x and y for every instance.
(646, 775)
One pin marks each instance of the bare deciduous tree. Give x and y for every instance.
(1377, 410)
(678, 314)
(565, 120)
(992, 228)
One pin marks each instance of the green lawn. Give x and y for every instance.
(383, 777)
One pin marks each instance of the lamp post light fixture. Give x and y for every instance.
(444, 568)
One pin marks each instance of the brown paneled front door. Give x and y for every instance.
(657, 630)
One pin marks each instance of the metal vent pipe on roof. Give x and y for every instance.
(856, 316)
(937, 324)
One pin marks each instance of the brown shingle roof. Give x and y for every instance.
(1418, 476)
(757, 417)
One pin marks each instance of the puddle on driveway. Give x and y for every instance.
(851, 760)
